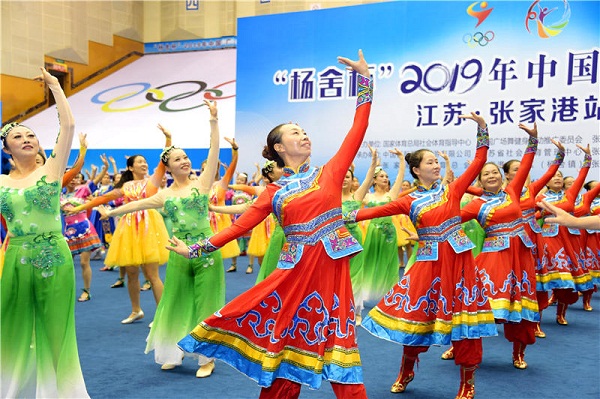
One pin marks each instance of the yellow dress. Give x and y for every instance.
(260, 237)
(140, 237)
(220, 221)
(403, 221)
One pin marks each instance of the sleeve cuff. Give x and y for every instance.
(531, 145)
(483, 137)
(364, 90)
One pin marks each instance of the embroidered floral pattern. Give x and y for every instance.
(43, 197)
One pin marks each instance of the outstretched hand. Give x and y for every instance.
(47, 78)
(83, 140)
(530, 131)
(360, 66)
(212, 107)
(475, 117)
(178, 247)
(164, 130)
(558, 144)
(586, 150)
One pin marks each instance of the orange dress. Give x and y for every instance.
(506, 253)
(297, 324)
(559, 254)
(441, 298)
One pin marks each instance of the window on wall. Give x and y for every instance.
(62, 80)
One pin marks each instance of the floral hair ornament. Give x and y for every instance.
(164, 155)
(268, 166)
(8, 127)
(377, 170)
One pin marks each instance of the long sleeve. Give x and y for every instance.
(464, 181)
(396, 207)
(57, 161)
(101, 199)
(584, 208)
(253, 216)
(526, 162)
(71, 173)
(342, 160)
(224, 183)
(470, 211)
(574, 190)
(252, 190)
(536, 186)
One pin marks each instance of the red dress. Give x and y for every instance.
(441, 298)
(506, 253)
(594, 242)
(533, 229)
(589, 239)
(558, 253)
(297, 324)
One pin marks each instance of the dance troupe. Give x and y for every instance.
(297, 325)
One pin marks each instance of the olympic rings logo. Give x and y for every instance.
(109, 99)
(479, 38)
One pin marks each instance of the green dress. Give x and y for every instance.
(356, 262)
(380, 270)
(39, 355)
(194, 288)
(474, 231)
(271, 257)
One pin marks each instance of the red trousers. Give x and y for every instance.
(286, 389)
(523, 332)
(467, 352)
(566, 296)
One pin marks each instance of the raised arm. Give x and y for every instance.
(103, 171)
(574, 190)
(230, 170)
(483, 142)
(159, 172)
(527, 160)
(347, 152)
(252, 190)
(212, 162)
(448, 172)
(537, 185)
(257, 175)
(57, 162)
(395, 189)
(363, 189)
(71, 173)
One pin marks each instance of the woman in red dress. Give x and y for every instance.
(588, 239)
(298, 325)
(565, 274)
(533, 229)
(506, 255)
(441, 298)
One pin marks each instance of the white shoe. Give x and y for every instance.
(150, 325)
(168, 366)
(133, 317)
(206, 370)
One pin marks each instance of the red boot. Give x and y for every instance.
(561, 311)
(406, 374)
(519, 356)
(467, 383)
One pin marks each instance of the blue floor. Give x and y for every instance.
(566, 364)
